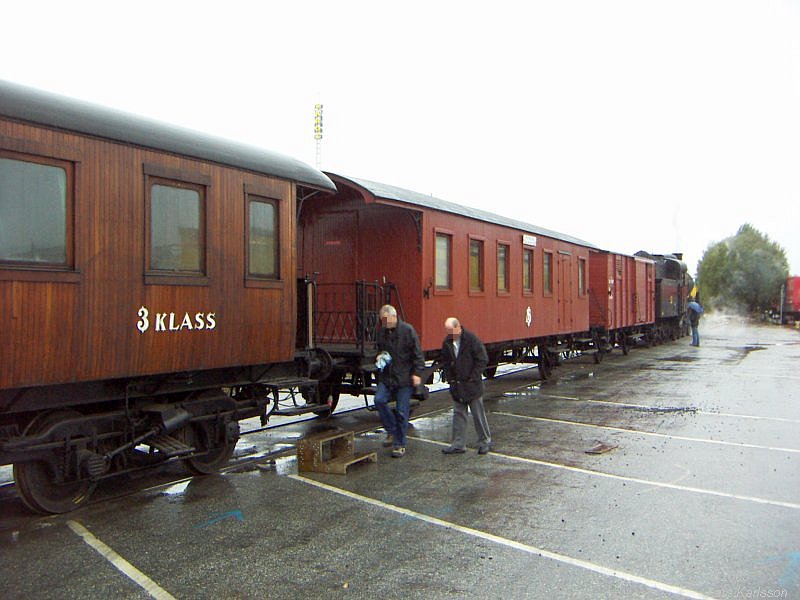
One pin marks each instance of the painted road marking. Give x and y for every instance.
(562, 558)
(120, 563)
(647, 482)
(665, 408)
(661, 435)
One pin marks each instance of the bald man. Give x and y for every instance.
(463, 360)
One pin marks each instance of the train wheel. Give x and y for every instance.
(40, 483)
(494, 360)
(624, 345)
(545, 364)
(329, 394)
(215, 452)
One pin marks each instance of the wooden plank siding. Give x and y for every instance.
(81, 325)
(498, 316)
(621, 290)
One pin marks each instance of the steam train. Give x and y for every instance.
(157, 286)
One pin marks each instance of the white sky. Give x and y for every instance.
(633, 124)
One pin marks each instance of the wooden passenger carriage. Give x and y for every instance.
(521, 288)
(143, 268)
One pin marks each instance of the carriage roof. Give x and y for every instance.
(35, 106)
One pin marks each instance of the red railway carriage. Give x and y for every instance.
(517, 286)
(142, 268)
(621, 299)
(791, 300)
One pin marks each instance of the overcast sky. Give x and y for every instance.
(632, 124)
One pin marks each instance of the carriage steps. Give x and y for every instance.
(329, 452)
(168, 446)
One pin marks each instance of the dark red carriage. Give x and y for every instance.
(521, 288)
(621, 300)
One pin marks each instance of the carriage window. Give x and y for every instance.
(444, 246)
(35, 206)
(263, 259)
(547, 276)
(476, 265)
(177, 231)
(502, 267)
(527, 270)
(581, 276)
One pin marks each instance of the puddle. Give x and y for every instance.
(748, 349)
(664, 409)
(680, 358)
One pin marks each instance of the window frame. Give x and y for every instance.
(531, 252)
(157, 175)
(69, 160)
(547, 273)
(450, 236)
(506, 291)
(257, 279)
(582, 274)
(481, 241)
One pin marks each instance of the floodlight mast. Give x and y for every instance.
(318, 132)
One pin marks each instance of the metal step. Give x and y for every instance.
(285, 383)
(338, 466)
(329, 452)
(293, 411)
(168, 445)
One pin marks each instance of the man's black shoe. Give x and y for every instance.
(483, 449)
(452, 450)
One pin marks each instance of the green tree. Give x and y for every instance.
(743, 272)
(713, 271)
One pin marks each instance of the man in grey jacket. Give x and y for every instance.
(463, 360)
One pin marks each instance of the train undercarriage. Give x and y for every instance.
(81, 434)
(60, 453)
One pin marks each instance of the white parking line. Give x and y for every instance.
(650, 433)
(120, 563)
(752, 374)
(662, 408)
(562, 558)
(646, 482)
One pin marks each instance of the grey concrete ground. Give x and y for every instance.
(697, 495)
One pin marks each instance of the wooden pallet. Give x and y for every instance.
(329, 452)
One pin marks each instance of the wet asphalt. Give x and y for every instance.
(693, 491)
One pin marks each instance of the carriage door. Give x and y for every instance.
(330, 250)
(564, 278)
(621, 291)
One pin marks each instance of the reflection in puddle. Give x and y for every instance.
(176, 489)
(286, 465)
(432, 422)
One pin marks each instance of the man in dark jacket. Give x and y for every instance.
(695, 309)
(463, 361)
(400, 363)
